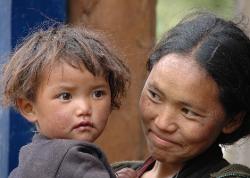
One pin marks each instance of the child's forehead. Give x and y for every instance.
(61, 68)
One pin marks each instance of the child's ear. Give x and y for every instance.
(27, 109)
(234, 123)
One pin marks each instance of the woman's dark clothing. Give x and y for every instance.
(61, 158)
(208, 164)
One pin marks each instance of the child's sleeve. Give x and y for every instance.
(84, 162)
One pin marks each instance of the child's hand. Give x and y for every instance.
(126, 173)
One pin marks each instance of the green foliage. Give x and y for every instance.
(169, 12)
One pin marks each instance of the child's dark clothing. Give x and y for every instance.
(61, 158)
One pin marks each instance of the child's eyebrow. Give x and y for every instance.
(100, 86)
(72, 86)
(63, 87)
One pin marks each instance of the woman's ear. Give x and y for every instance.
(27, 109)
(234, 124)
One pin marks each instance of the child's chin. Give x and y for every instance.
(85, 137)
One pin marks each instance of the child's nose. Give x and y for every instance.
(83, 107)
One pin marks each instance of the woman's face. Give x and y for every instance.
(180, 109)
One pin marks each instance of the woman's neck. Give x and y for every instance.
(163, 170)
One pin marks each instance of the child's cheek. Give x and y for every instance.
(63, 119)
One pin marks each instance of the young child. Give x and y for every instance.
(66, 81)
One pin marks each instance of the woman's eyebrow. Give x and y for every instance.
(193, 105)
(155, 87)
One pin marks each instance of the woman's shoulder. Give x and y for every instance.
(127, 164)
(232, 171)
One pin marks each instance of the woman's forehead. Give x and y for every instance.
(185, 64)
(183, 79)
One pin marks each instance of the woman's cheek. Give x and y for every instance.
(146, 108)
(196, 133)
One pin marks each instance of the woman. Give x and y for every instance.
(196, 96)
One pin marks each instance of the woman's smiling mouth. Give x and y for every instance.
(160, 141)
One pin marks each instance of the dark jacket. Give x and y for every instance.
(208, 165)
(60, 158)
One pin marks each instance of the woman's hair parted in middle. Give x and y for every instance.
(77, 46)
(222, 49)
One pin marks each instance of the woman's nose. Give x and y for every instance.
(166, 120)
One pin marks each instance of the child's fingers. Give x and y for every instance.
(126, 173)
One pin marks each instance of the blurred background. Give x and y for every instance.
(169, 12)
(132, 27)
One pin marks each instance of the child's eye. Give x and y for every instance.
(65, 96)
(154, 96)
(98, 94)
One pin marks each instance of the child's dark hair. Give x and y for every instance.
(21, 75)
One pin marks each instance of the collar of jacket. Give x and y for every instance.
(233, 170)
(203, 165)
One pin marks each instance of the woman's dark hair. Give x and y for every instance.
(222, 49)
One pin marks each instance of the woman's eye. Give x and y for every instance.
(153, 96)
(65, 96)
(189, 113)
(98, 94)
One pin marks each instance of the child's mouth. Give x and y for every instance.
(83, 125)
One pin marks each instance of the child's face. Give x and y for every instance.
(72, 104)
